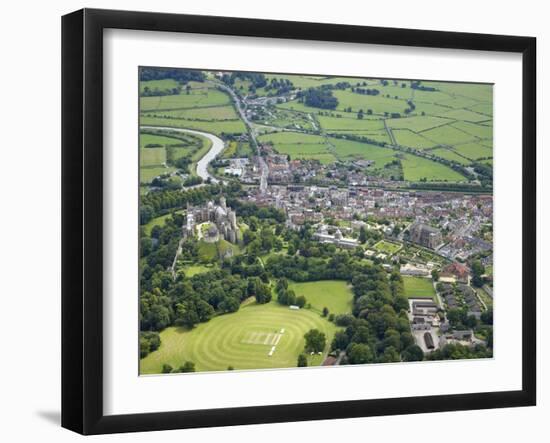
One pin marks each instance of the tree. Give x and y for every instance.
(325, 311)
(166, 368)
(315, 341)
(413, 353)
(340, 341)
(435, 275)
(188, 366)
(360, 353)
(302, 361)
(390, 355)
(300, 301)
(362, 235)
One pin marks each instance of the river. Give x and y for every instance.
(202, 164)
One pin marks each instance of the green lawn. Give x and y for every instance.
(419, 287)
(192, 270)
(212, 251)
(333, 294)
(242, 339)
(158, 221)
(387, 247)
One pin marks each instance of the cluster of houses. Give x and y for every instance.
(459, 296)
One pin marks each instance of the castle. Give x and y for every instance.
(223, 221)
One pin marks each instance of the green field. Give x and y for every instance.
(349, 123)
(406, 137)
(474, 150)
(287, 137)
(161, 85)
(387, 247)
(333, 294)
(450, 154)
(416, 124)
(158, 221)
(242, 340)
(197, 98)
(419, 287)
(214, 127)
(416, 168)
(207, 113)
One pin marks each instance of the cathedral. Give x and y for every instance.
(222, 218)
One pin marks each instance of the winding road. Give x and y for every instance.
(264, 170)
(202, 164)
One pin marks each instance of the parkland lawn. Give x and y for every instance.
(336, 295)
(242, 339)
(419, 287)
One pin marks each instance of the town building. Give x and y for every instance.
(337, 239)
(425, 235)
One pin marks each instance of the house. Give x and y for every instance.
(457, 271)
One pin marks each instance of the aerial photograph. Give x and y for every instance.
(304, 220)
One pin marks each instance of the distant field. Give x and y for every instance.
(419, 287)
(473, 150)
(349, 124)
(214, 127)
(151, 139)
(349, 148)
(287, 137)
(147, 174)
(208, 113)
(416, 168)
(197, 98)
(447, 135)
(463, 114)
(475, 129)
(158, 84)
(387, 247)
(333, 294)
(450, 155)
(152, 156)
(377, 103)
(406, 137)
(242, 339)
(417, 124)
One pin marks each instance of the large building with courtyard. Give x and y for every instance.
(220, 220)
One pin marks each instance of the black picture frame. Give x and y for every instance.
(82, 218)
